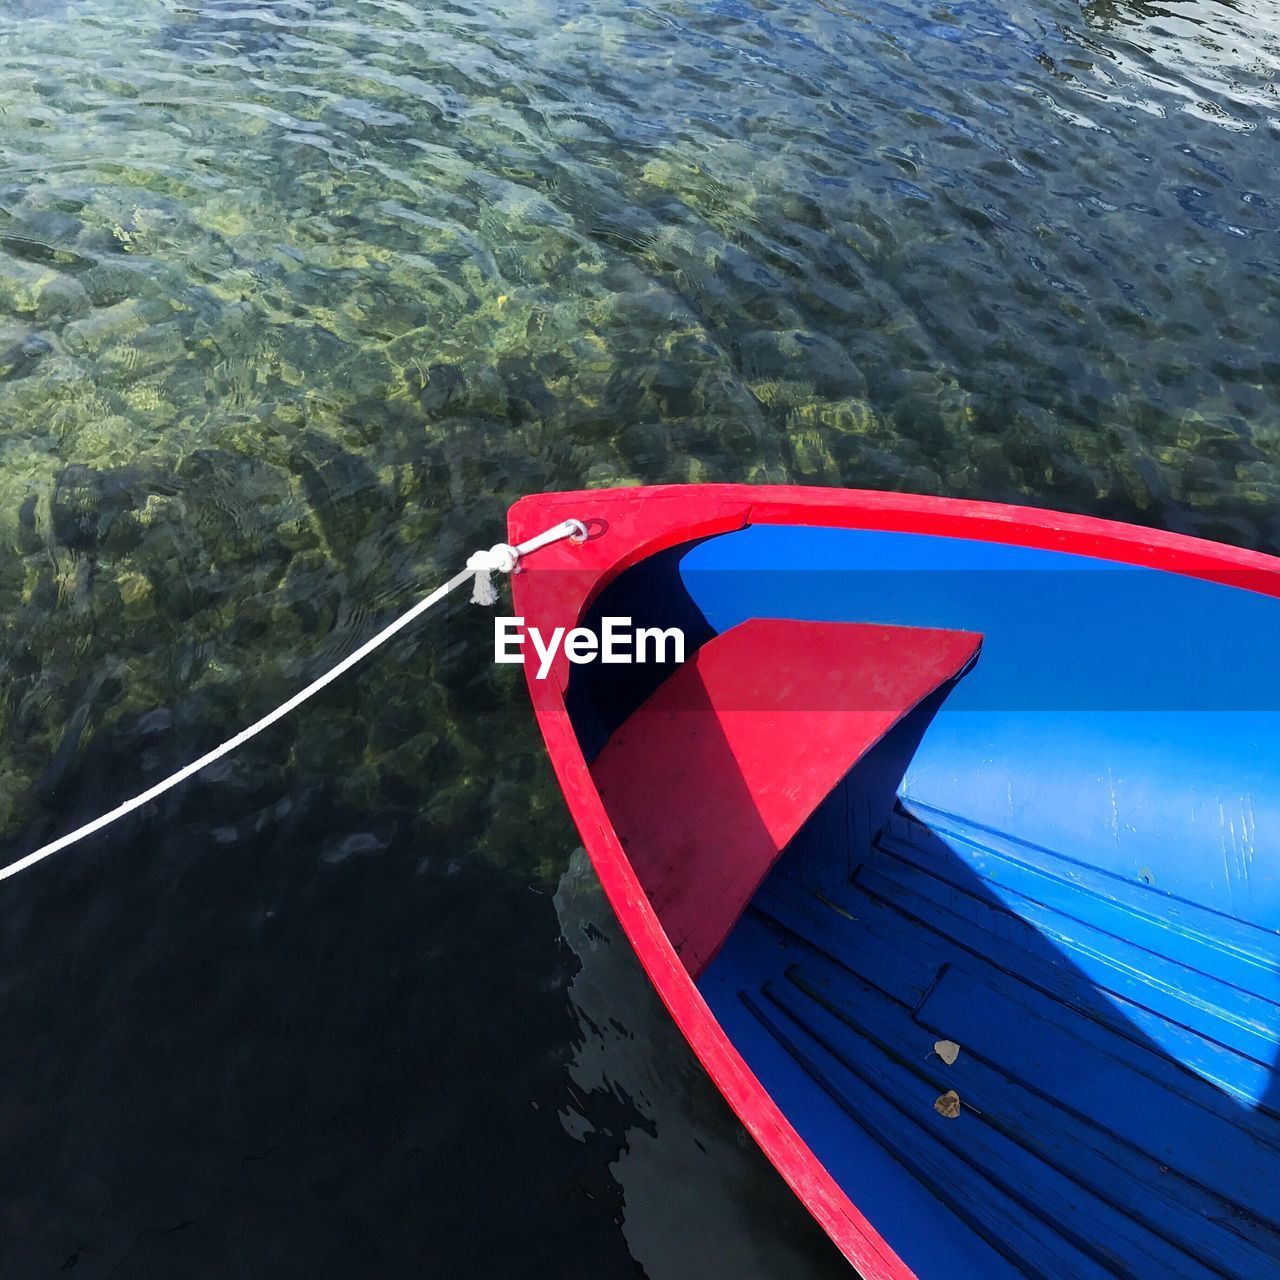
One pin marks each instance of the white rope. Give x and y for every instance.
(500, 558)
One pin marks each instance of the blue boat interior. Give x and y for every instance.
(1067, 865)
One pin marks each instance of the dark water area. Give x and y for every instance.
(295, 299)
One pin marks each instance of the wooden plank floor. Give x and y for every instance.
(1116, 1069)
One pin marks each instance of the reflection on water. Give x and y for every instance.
(698, 1198)
(296, 296)
(1218, 59)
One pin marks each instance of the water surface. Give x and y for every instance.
(295, 298)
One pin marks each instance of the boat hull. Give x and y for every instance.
(1125, 670)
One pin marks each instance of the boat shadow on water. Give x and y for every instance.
(698, 1198)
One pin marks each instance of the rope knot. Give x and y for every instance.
(502, 557)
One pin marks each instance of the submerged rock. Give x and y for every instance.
(345, 494)
(89, 506)
(443, 384)
(21, 358)
(115, 324)
(61, 298)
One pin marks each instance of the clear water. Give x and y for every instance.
(295, 298)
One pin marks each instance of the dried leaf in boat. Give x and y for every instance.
(948, 1104)
(947, 1050)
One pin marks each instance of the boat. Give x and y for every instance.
(952, 845)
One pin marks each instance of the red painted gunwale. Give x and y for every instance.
(556, 585)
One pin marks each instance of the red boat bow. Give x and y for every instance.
(625, 526)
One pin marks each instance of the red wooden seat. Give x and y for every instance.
(712, 776)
